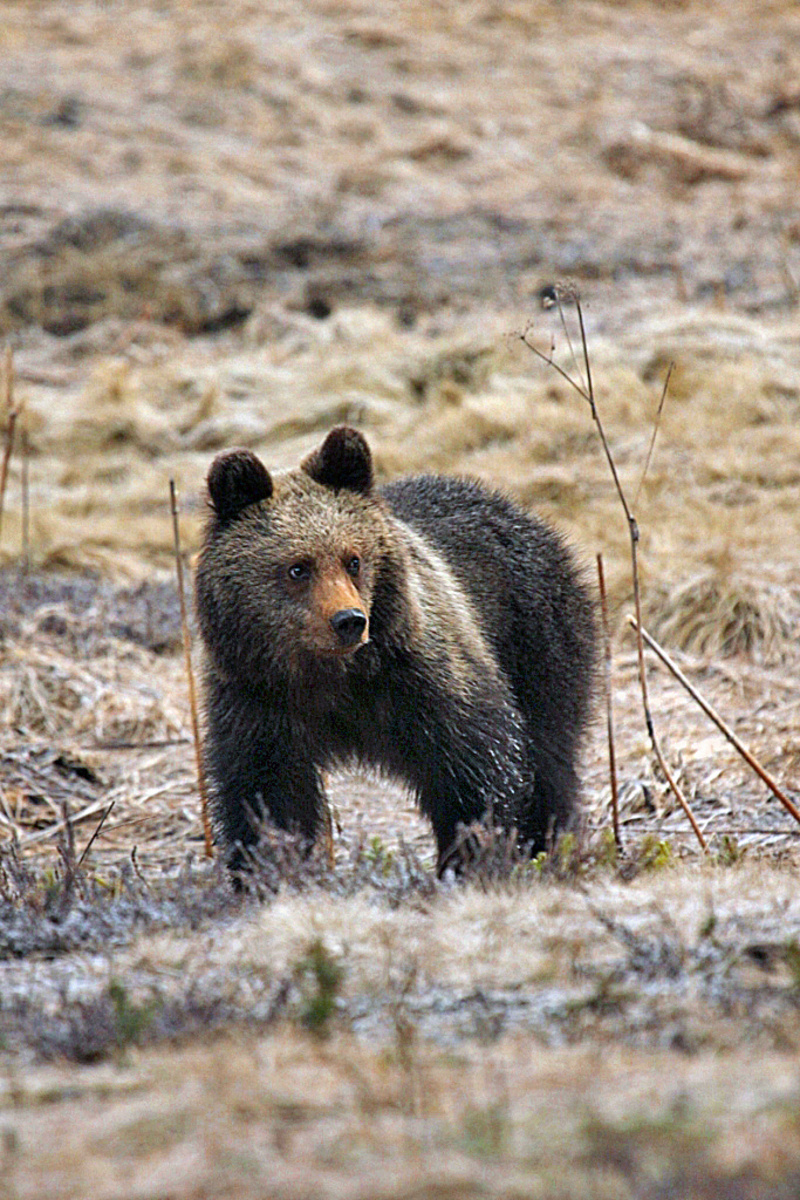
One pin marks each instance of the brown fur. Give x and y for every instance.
(469, 679)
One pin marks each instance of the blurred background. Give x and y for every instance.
(241, 224)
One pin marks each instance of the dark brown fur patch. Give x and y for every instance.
(236, 479)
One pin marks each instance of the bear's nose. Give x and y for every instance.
(348, 624)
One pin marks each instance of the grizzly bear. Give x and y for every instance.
(429, 628)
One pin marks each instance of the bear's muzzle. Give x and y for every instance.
(349, 624)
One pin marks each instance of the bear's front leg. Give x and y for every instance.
(256, 772)
(461, 746)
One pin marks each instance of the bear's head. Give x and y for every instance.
(289, 564)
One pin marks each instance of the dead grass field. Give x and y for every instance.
(241, 225)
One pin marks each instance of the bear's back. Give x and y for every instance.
(531, 599)
(495, 549)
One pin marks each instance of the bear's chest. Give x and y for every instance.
(359, 712)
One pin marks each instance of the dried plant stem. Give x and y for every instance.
(587, 392)
(721, 725)
(151, 744)
(656, 425)
(66, 851)
(135, 865)
(684, 803)
(25, 550)
(330, 851)
(187, 654)
(12, 411)
(327, 825)
(100, 824)
(612, 759)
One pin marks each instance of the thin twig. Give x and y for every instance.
(330, 851)
(651, 730)
(157, 744)
(557, 300)
(635, 819)
(656, 425)
(187, 653)
(721, 725)
(135, 865)
(612, 760)
(100, 825)
(69, 831)
(66, 851)
(12, 412)
(25, 555)
(549, 361)
(43, 835)
(587, 393)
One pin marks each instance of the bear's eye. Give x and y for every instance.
(299, 571)
(353, 566)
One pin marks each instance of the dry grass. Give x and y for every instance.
(715, 615)
(475, 1047)
(485, 1124)
(720, 490)
(351, 224)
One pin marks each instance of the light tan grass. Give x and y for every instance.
(46, 692)
(496, 1116)
(103, 449)
(285, 1116)
(716, 615)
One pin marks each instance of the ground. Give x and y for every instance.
(239, 225)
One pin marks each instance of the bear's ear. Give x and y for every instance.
(237, 478)
(342, 461)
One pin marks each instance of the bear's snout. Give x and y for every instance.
(348, 624)
(337, 621)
